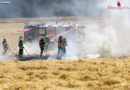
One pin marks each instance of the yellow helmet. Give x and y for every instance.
(42, 37)
(21, 39)
(64, 37)
(47, 36)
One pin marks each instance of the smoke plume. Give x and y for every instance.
(112, 39)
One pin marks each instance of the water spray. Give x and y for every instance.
(60, 34)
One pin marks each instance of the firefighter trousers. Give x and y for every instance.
(46, 48)
(5, 50)
(42, 49)
(64, 51)
(60, 51)
(20, 52)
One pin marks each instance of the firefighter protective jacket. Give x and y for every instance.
(20, 45)
(42, 43)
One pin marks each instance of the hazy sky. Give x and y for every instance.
(40, 8)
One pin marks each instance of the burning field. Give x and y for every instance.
(95, 57)
(69, 74)
(105, 73)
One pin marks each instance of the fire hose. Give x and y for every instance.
(26, 51)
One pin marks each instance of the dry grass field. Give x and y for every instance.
(10, 32)
(97, 74)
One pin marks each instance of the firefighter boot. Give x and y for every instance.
(40, 55)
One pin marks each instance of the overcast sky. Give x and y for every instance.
(47, 8)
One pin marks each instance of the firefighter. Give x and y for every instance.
(41, 44)
(20, 47)
(64, 45)
(47, 41)
(5, 46)
(60, 47)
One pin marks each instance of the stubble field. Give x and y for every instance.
(96, 74)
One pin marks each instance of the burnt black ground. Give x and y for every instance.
(37, 57)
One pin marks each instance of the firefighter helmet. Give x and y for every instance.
(42, 37)
(64, 37)
(60, 36)
(21, 39)
(46, 36)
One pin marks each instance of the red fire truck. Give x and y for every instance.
(34, 30)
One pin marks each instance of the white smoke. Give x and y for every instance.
(110, 40)
(120, 20)
(98, 41)
(6, 58)
(31, 48)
